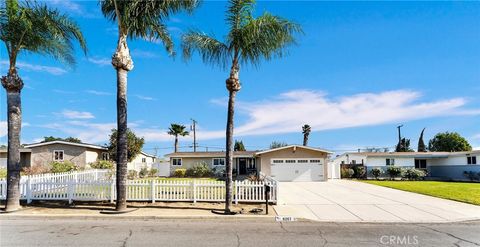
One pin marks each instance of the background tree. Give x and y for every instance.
(239, 146)
(421, 145)
(276, 144)
(404, 146)
(249, 41)
(177, 130)
(134, 144)
(68, 139)
(306, 129)
(448, 142)
(35, 28)
(144, 20)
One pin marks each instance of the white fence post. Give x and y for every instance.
(152, 184)
(29, 191)
(112, 190)
(70, 191)
(194, 189)
(236, 192)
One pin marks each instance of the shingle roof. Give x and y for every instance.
(210, 154)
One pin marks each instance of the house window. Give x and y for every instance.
(251, 164)
(177, 161)
(277, 161)
(144, 160)
(290, 161)
(354, 162)
(319, 161)
(218, 161)
(472, 160)
(390, 162)
(421, 164)
(105, 156)
(302, 161)
(58, 155)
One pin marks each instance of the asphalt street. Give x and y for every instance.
(230, 232)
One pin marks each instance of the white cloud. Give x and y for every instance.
(99, 93)
(3, 128)
(37, 68)
(137, 53)
(68, 5)
(288, 112)
(62, 91)
(142, 97)
(77, 114)
(100, 61)
(85, 131)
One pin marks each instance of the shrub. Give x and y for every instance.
(414, 174)
(347, 172)
(143, 172)
(359, 171)
(132, 174)
(394, 171)
(3, 172)
(199, 170)
(34, 170)
(180, 172)
(65, 166)
(376, 172)
(471, 175)
(153, 172)
(102, 164)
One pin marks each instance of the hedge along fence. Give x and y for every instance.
(144, 190)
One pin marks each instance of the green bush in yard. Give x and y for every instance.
(359, 171)
(394, 171)
(180, 172)
(143, 172)
(346, 172)
(3, 173)
(199, 170)
(414, 174)
(153, 172)
(65, 166)
(102, 164)
(376, 172)
(132, 174)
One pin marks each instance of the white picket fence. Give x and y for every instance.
(96, 186)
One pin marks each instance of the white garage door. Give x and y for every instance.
(300, 170)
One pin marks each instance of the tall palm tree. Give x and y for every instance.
(306, 129)
(249, 40)
(136, 19)
(30, 27)
(177, 130)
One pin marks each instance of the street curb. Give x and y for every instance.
(139, 217)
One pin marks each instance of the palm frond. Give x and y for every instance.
(265, 37)
(210, 49)
(238, 12)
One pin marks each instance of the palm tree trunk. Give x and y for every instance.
(13, 85)
(122, 159)
(229, 153)
(123, 63)
(176, 144)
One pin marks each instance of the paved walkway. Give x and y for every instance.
(350, 201)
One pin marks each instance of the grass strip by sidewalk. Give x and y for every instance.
(457, 191)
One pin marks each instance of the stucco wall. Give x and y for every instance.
(43, 155)
(454, 172)
(190, 162)
(265, 159)
(381, 161)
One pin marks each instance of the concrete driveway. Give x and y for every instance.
(350, 201)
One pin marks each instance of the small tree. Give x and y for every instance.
(448, 142)
(306, 129)
(68, 139)
(421, 145)
(134, 145)
(177, 130)
(239, 146)
(394, 171)
(404, 146)
(276, 144)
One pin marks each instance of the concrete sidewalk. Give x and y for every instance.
(351, 201)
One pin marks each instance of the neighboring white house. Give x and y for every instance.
(142, 160)
(444, 165)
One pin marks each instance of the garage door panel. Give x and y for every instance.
(297, 171)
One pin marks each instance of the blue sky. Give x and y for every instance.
(359, 70)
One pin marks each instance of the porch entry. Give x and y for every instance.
(245, 166)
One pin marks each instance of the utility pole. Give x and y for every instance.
(399, 134)
(193, 128)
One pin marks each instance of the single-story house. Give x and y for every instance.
(441, 165)
(289, 163)
(81, 154)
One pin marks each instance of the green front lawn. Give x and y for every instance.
(457, 191)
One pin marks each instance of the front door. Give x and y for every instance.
(242, 166)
